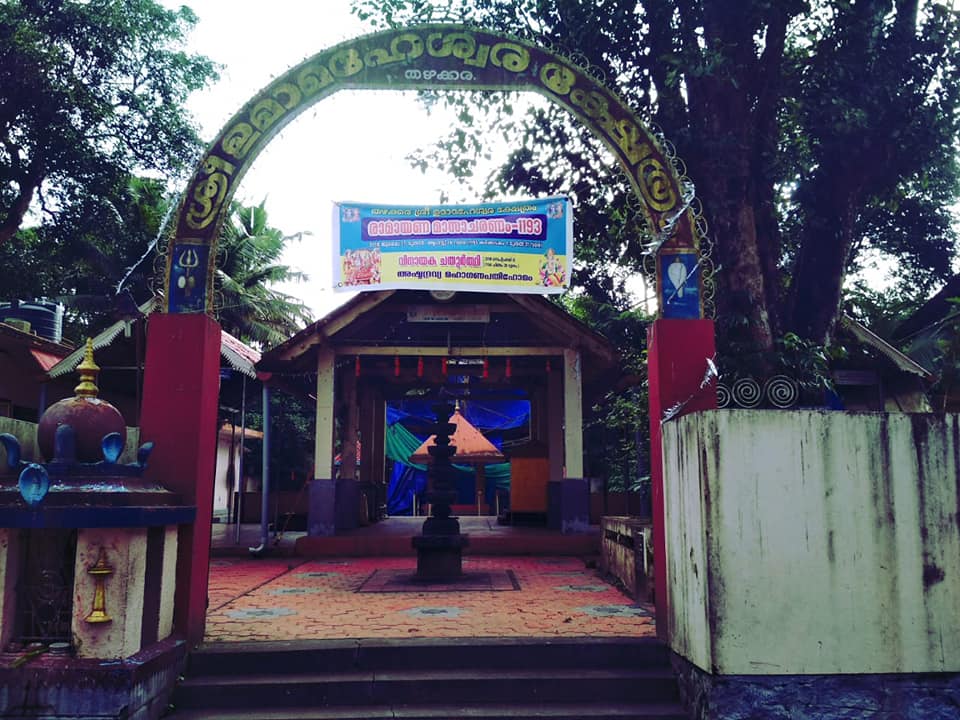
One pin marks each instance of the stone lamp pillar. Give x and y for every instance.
(440, 545)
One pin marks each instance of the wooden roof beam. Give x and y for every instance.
(455, 351)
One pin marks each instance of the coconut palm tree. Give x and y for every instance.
(249, 307)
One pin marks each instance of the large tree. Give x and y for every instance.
(91, 91)
(97, 260)
(815, 131)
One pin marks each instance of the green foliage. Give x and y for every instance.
(882, 310)
(879, 122)
(931, 336)
(804, 361)
(292, 424)
(99, 259)
(90, 93)
(818, 133)
(83, 259)
(947, 388)
(250, 308)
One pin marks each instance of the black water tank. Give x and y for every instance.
(45, 317)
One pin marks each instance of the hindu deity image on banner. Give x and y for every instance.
(524, 246)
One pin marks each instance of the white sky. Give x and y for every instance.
(349, 147)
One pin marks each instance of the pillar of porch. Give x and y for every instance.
(553, 404)
(575, 494)
(348, 492)
(371, 448)
(322, 497)
(569, 498)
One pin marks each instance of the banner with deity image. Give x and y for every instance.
(524, 246)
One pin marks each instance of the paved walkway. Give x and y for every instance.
(392, 537)
(288, 598)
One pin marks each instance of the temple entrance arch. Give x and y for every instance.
(436, 57)
(181, 377)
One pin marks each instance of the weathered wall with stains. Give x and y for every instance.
(805, 542)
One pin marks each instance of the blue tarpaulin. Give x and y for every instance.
(408, 481)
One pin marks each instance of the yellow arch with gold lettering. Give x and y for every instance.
(437, 57)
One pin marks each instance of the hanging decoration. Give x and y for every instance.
(356, 367)
(420, 366)
(396, 366)
(509, 370)
(486, 368)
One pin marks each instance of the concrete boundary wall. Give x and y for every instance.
(813, 542)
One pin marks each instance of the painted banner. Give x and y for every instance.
(524, 246)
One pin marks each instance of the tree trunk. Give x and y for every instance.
(18, 208)
(723, 122)
(723, 175)
(818, 271)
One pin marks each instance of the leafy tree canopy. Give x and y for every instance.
(91, 92)
(251, 308)
(98, 260)
(816, 132)
(617, 426)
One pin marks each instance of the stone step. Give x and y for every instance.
(439, 686)
(411, 654)
(558, 711)
(476, 678)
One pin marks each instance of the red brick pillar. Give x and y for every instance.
(676, 364)
(181, 388)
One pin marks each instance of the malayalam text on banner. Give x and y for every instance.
(524, 246)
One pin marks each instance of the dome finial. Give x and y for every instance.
(89, 371)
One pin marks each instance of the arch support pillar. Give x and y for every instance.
(677, 351)
(181, 390)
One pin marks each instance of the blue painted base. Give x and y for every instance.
(904, 696)
(568, 505)
(320, 508)
(57, 688)
(333, 505)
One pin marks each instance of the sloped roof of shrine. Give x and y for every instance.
(410, 322)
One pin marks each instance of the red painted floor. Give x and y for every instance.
(292, 598)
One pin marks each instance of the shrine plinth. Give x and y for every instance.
(88, 550)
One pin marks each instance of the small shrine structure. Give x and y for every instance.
(88, 553)
(389, 344)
